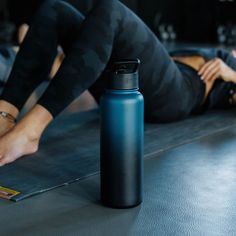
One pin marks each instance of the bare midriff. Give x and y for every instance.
(196, 62)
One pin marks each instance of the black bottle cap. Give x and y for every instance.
(124, 75)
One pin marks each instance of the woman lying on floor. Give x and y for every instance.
(93, 34)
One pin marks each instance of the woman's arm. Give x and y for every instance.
(217, 69)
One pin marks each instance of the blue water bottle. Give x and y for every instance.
(122, 131)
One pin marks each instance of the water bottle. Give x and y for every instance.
(122, 131)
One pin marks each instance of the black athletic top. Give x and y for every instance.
(196, 85)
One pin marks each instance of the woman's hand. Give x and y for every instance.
(23, 139)
(217, 69)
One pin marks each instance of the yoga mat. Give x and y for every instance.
(69, 150)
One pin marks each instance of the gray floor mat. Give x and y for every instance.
(69, 149)
(189, 190)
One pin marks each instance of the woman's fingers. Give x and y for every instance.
(205, 66)
(211, 70)
(208, 67)
(215, 74)
(211, 74)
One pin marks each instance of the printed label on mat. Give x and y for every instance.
(7, 193)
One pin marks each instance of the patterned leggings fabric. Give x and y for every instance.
(92, 34)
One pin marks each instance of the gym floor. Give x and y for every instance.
(189, 189)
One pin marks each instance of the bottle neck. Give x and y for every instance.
(123, 81)
(123, 91)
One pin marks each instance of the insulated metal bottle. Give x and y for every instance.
(122, 131)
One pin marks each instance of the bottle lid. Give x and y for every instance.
(124, 75)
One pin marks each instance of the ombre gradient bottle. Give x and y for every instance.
(122, 131)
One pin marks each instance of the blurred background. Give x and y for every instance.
(201, 21)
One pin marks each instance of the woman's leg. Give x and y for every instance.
(120, 34)
(55, 22)
(86, 59)
(109, 32)
(25, 135)
(33, 63)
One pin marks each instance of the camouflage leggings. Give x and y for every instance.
(94, 33)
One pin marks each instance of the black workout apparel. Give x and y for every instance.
(93, 34)
(220, 96)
